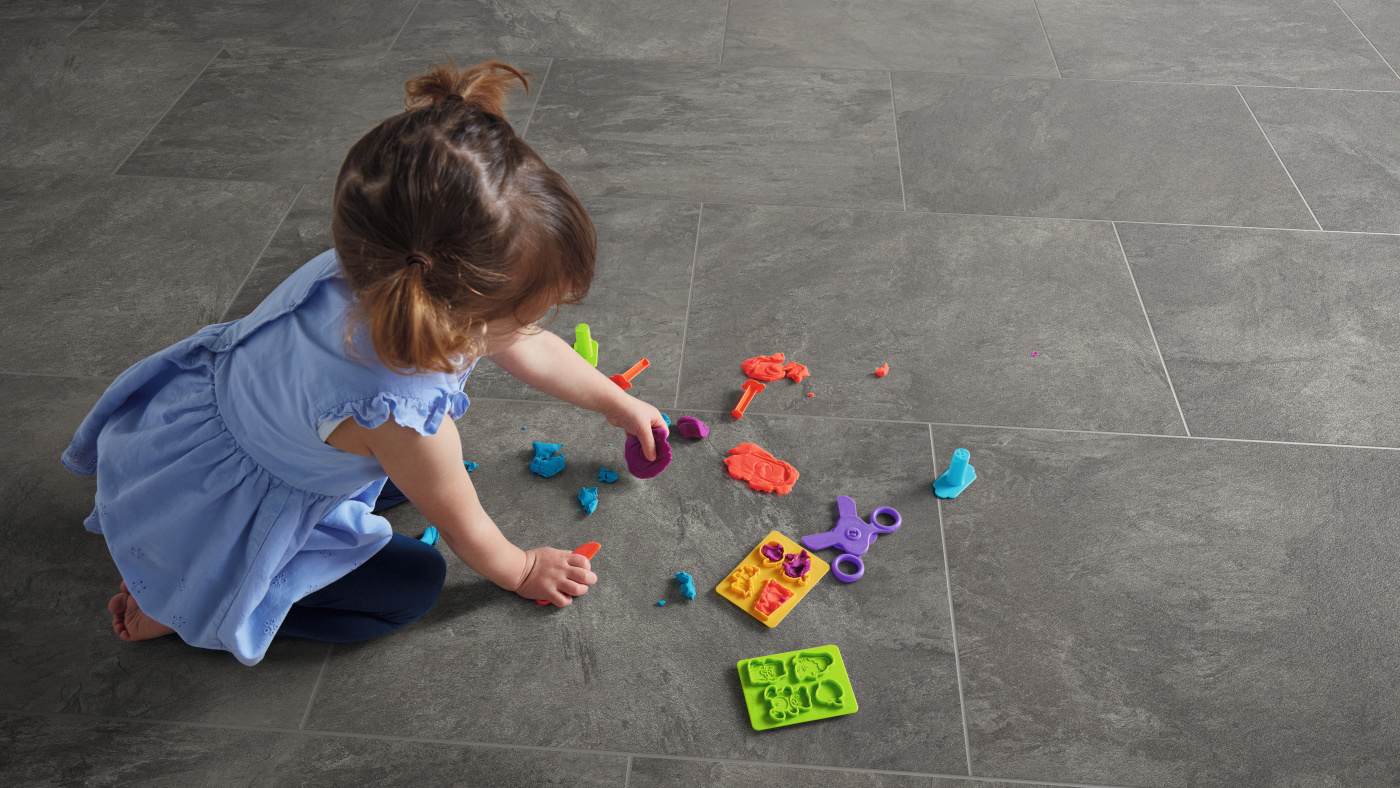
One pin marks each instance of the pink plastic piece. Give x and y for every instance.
(691, 427)
(638, 463)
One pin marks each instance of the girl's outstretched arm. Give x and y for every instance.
(549, 364)
(429, 470)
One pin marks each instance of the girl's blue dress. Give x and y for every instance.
(219, 501)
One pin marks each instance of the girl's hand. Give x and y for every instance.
(555, 576)
(638, 418)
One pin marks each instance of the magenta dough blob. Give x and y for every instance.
(638, 464)
(691, 427)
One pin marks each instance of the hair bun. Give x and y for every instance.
(484, 87)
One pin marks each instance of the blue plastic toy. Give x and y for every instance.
(605, 475)
(687, 585)
(588, 499)
(548, 461)
(852, 536)
(960, 474)
(429, 536)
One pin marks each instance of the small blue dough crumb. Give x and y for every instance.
(429, 536)
(666, 419)
(588, 499)
(661, 603)
(605, 475)
(548, 461)
(470, 466)
(687, 584)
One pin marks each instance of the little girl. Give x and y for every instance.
(237, 470)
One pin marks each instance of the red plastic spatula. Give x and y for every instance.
(587, 551)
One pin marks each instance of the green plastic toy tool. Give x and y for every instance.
(585, 344)
(796, 686)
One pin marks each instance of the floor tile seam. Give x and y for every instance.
(539, 92)
(685, 326)
(145, 176)
(1278, 157)
(403, 26)
(155, 125)
(1367, 38)
(627, 775)
(86, 18)
(101, 378)
(1046, 32)
(724, 30)
(223, 316)
(316, 686)
(1150, 330)
(952, 617)
(527, 747)
(898, 156)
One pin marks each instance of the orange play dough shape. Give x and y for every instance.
(796, 371)
(748, 462)
(769, 368)
(883, 370)
(771, 598)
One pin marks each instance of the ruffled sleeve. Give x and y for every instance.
(421, 411)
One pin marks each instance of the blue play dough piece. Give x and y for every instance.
(960, 474)
(429, 536)
(471, 466)
(548, 461)
(687, 584)
(605, 475)
(661, 603)
(666, 419)
(588, 499)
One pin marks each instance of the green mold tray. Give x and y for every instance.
(796, 686)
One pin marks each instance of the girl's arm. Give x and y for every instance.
(429, 471)
(546, 362)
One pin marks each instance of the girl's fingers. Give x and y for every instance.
(580, 561)
(648, 445)
(573, 589)
(580, 575)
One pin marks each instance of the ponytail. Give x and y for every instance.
(483, 87)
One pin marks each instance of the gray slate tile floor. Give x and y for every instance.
(1176, 568)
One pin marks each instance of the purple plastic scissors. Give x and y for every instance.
(852, 535)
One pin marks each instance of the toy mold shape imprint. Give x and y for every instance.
(749, 462)
(852, 536)
(762, 584)
(796, 686)
(766, 368)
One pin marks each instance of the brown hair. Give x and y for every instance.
(445, 220)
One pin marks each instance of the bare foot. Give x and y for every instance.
(130, 623)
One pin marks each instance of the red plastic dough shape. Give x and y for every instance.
(769, 368)
(882, 370)
(748, 462)
(796, 371)
(772, 597)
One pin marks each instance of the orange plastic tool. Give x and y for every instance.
(751, 387)
(587, 551)
(625, 379)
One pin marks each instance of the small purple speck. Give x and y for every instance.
(1035, 352)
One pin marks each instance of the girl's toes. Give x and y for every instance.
(117, 605)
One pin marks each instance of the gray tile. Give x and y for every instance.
(64, 751)
(1307, 43)
(687, 31)
(83, 105)
(659, 773)
(286, 115)
(958, 36)
(303, 234)
(1276, 335)
(614, 671)
(1165, 612)
(954, 304)
(1341, 149)
(1379, 20)
(154, 261)
(57, 649)
(44, 17)
(1089, 150)
(341, 24)
(727, 133)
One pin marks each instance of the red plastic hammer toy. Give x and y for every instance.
(625, 379)
(751, 387)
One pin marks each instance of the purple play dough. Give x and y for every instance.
(638, 464)
(691, 427)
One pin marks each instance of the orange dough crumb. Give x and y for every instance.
(882, 371)
(769, 368)
(810, 394)
(748, 462)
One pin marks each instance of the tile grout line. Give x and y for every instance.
(538, 94)
(403, 26)
(959, 425)
(695, 256)
(1153, 333)
(1366, 37)
(528, 747)
(86, 19)
(142, 141)
(316, 687)
(236, 293)
(1046, 33)
(724, 31)
(898, 159)
(1250, 110)
(627, 776)
(55, 375)
(952, 618)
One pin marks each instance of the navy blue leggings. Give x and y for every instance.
(396, 586)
